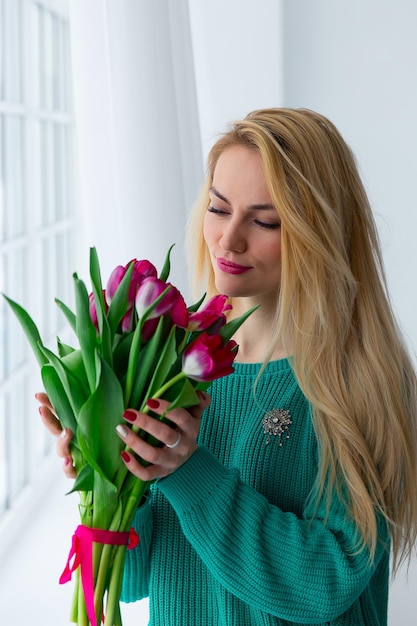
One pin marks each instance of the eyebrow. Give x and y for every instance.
(253, 207)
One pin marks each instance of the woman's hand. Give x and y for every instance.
(64, 436)
(180, 438)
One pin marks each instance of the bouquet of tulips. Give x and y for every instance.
(137, 340)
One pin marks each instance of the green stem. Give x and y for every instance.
(112, 617)
(75, 596)
(111, 567)
(168, 384)
(184, 342)
(82, 618)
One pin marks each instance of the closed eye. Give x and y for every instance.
(268, 225)
(212, 209)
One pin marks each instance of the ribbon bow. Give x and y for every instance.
(81, 555)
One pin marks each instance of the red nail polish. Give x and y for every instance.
(152, 404)
(130, 416)
(125, 456)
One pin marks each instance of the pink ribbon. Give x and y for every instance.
(81, 555)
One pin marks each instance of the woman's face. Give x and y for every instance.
(242, 228)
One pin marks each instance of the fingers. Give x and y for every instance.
(179, 438)
(64, 436)
(44, 400)
(68, 467)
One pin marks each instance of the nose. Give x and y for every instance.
(233, 237)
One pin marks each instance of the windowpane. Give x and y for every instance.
(11, 29)
(47, 59)
(48, 172)
(59, 164)
(36, 54)
(2, 47)
(3, 458)
(35, 216)
(12, 159)
(2, 321)
(63, 70)
(2, 198)
(14, 342)
(49, 266)
(16, 440)
(64, 286)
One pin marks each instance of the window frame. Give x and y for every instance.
(25, 456)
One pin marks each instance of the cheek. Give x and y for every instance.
(272, 251)
(208, 232)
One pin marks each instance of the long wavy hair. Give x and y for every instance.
(335, 318)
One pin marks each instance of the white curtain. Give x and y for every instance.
(138, 139)
(154, 82)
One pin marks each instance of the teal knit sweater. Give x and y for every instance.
(230, 539)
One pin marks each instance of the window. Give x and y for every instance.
(36, 217)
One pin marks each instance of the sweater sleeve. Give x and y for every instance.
(300, 569)
(136, 572)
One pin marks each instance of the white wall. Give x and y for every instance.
(356, 62)
(238, 60)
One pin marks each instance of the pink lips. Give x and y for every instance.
(231, 268)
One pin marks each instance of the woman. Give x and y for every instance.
(281, 504)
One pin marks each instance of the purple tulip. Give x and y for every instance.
(93, 309)
(173, 302)
(207, 358)
(114, 281)
(211, 315)
(141, 270)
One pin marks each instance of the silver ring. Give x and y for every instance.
(176, 443)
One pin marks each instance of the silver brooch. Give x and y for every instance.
(277, 422)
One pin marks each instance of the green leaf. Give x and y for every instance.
(84, 480)
(121, 351)
(143, 371)
(30, 329)
(97, 421)
(63, 348)
(186, 398)
(229, 329)
(132, 364)
(58, 398)
(166, 360)
(73, 361)
(106, 503)
(136, 347)
(120, 301)
(167, 265)
(196, 306)
(69, 315)
(103, 323)
(86, 332)
(73, 384)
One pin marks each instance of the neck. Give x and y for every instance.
(256, 333)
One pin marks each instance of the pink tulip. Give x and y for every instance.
(93, 310)
(207, 358)
(173, 302)
(114, 281)
(211, 315)
(141, 270)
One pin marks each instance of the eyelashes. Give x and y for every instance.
(266, 225)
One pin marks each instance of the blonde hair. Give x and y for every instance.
(334, 313)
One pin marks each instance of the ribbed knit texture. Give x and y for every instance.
(229, 539)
